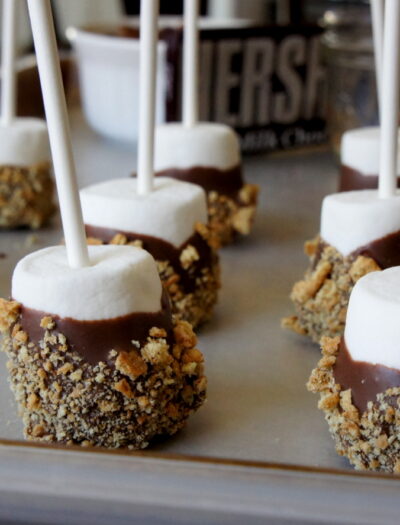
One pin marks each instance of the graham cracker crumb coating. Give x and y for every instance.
(196, 306)
(146, 391)
(26, 196)
(371, 440)
(229, 217)
(321, 298)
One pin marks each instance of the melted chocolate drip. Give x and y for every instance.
(164, 251)
(364, 379)
(385, 251)
(351, 179)
(225, 182)
(93, 340)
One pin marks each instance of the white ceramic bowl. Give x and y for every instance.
(108, 68)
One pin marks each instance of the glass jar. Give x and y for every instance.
(348, 55)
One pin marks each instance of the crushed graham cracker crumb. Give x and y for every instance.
(230, 216)
(125, 402)
(26, 196)
(371, 440)
(321, 298)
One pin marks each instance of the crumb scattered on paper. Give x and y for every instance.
(31, 240)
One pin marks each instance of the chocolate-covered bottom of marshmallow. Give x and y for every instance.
(369, 436)
(225, 182)
(137, 393)
(26, 196)
(190, 273)
(321, 297)
(384, 251)
(231, 202)
(94, 339)
(365, 380)
(352, 180)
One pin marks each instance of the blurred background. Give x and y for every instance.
(340, 73)
(81, 12)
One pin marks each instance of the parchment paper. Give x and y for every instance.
(258, 407)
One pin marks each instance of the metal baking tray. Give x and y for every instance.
(259, 447)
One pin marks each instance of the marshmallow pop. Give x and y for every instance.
(164, 216)
(95, 355)
(360, 230)
(170, 223)
(360, 147)
(358, 377)
(207, 154)
(26, 185)
(359, 159)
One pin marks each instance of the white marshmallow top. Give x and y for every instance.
(121, 280)
(24, 142)
(360, 150)
(205, 144)
(169, 212)
(372, 332)
(352, 219)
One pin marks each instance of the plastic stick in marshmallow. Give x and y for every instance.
(166, 217)
(360, 230)
(26, 185)
(205, 153)
(95, 356)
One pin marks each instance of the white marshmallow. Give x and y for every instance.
(121, 280)
(372, 332)
(24, 142)
(205, 144)
(169, 212)
(352, 219)
(360, 150)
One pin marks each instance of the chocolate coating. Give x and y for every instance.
(351, 179)
(163, 251)
(226, 182)
(385, 251)
(93, 340)
(365, 379)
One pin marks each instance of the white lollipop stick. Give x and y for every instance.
(190, 64)
(8, 91)
(148, 45)
(390, 100)
(377, 8)
(59, 135)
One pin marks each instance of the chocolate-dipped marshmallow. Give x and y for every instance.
(208, 154)
(95, 355)
(26, 185)
(358, 377)
(360, 233)
(359, 159)
(170, 223)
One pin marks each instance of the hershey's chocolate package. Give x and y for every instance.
(266, 82)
